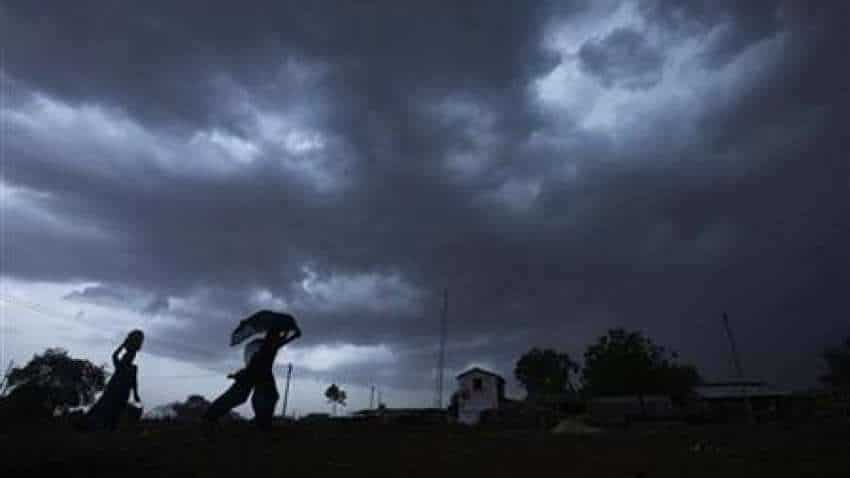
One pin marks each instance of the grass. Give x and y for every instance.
(366, 450)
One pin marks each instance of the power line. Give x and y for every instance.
(34, 307)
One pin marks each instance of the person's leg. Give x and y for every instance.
(116, 409)
(236, 395)
(263, 401)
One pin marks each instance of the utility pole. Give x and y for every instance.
(286, 390)
(441, 361)
(5, 382)
(739, 370)
(372, 398)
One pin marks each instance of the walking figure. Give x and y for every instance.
(258, 374)
(106, 413)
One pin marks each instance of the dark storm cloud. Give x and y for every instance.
(623, 58)
(662, 233)
(162, 60)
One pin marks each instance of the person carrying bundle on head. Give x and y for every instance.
(106, 413)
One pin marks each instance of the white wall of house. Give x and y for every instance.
(478, 392)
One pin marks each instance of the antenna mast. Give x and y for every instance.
(735, 358)
(738, 369)
(441, 362)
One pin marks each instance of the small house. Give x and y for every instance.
(722, 401)
(479, 390)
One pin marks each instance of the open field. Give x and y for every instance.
(360, 450)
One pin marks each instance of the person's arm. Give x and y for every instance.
(136, 387)
(115, 360)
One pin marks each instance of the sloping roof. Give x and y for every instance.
(737, 390)
(481, 371)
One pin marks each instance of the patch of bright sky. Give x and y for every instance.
(627, 114)
(289, 131)
(265, 299)
(305, 152)
(517, 194)
(237, 148)
(29, 206)
(340, 292)
(13, 196)
(92, 136)
(41, 318)
(324, 357)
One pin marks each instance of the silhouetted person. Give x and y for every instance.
(257, 376)
(106, 413)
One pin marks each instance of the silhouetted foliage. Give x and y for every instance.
(545, 372)
(838, 366)
(627, 363)
(58, 380)
(336, 396)
(191, 410)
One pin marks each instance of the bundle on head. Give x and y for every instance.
(134, 340)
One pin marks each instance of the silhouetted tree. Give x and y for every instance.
(336, 396)
(188, 411)
(57, 380)
(627, 363)
(838, 367)
(545, 372)
(676, 381)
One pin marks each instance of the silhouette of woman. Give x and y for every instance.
(257, 376)
(107, 411)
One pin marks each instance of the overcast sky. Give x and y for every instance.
(561, 167)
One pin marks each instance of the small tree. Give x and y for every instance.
(336, 397)
(837, 361)
(58, 380)
(627, 363)
(544, 372)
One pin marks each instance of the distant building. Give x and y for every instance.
(478, 391)
(410, 416)
(622, 409)
(729, 400)
(737, 390)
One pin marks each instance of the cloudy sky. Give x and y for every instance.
(561, 167)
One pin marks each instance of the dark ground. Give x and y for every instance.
(361, 450)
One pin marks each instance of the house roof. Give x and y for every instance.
(737, 390)
(481, 371)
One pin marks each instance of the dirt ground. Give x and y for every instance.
(361, 450)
